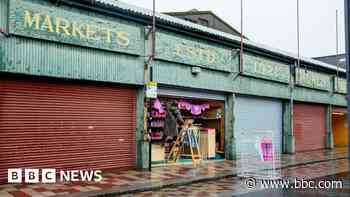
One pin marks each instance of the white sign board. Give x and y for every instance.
(151, 89)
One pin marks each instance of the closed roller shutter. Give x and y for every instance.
(255, 118)
(47, 124)
(309, 126)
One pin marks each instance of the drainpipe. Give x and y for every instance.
(347, 44)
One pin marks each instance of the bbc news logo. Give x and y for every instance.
(50, 175)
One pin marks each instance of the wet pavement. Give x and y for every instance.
(236, 186)
(187, 180)
(344, 192)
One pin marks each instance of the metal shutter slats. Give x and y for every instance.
(65, 125)
(309, 126)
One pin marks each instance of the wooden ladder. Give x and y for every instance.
(176, 150)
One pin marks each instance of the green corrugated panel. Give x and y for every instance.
(100, 25)
(181, 75)
(3, 13)
(317, 96)
(36, 57)
(260, 87)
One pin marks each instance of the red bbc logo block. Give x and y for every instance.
(31, 175)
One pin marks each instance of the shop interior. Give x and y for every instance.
(340, 128)
(205, 118)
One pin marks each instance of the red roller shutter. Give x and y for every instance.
(50, 124)
(309, 126)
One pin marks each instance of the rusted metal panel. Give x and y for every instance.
(66, 125)
(309, 126)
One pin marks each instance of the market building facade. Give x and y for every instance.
(73, 79)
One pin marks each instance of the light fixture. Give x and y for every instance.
(196, 70)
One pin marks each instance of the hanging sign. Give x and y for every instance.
(265, 68)
(312, 79)
(340, 85)
(151, 89)
(196, 52)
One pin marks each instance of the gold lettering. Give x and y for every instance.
(47, 24)
(109, 35)
(76, 30)
(28, 20)
(122, 39)
(65, 27)
(91, 32)
(201, 53)
(191, 51)
(178, 50)
(211, 57)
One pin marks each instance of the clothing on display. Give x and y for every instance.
(168, 115)
(194, 109)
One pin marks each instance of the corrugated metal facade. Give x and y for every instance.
(66, 125)
(44, 58)
(309, 126)
(181, 75)
(255, 115)
(3, 13)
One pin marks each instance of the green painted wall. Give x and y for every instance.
(139, 126)
(230, 144)
(44, 20)
(181, 75)
(3, 14)
(340, 85)
(265, 68)
(260, 87)
(316, 96)
(288, 136)
(43, 58)
(183, 49)
(313, 79)
(329, 127)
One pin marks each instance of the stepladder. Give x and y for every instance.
(187, 138)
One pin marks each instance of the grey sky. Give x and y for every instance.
(273, 22)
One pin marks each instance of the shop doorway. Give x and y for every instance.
(340, 127)
(208, 126)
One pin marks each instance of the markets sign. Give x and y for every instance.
(195, 52)
(340, 85)
(265, 68)
(43, 20)
(312, 79)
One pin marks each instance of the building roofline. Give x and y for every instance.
(191, 12)
(144, 15)
(331, 55)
